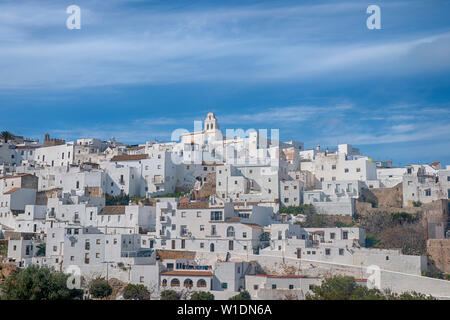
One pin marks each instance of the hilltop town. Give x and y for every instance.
(224, 213)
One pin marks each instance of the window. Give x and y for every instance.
(141, 279)
(202, 245)
(72, 258)
(230, 232)
(327, 252)
(333, 167)
(244, 234)
(255, 287)
(201, 283)
(358, 169)
(97, 255)
(345, 235)
(216, 215)
(164, 283)
(332, 235)
(183, 214)
(175, 283)
(55, 248)
(274, 286)
(341, 252)
(235, 182)
(188, 283)
(202, 227)
(291, 286)
(428, 192)
(98, 241)
(199, 214)
(346, 170)
(224, 285)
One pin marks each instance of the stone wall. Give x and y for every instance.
(208, 187)
(439, 251)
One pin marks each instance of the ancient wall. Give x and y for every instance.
(439, 252)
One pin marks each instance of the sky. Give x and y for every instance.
(137, 70)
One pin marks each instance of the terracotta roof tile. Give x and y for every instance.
(11, 191)
(113, 210)
(129, 157)
(187, 273)
(175, 254)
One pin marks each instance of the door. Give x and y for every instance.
(183, 243)
(211, 247)
(173, 244)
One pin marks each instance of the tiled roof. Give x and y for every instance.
(113, 210)
(187, 273)
(11, 191)
(16, 176)
(27, 147)
(129, 157)
(253, 226)
(175, 254)
(234, 219)
(283, 276)
(194, 205)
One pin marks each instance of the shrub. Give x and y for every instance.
(170, 295)
(243, 295)
(201, 295)
(38, 283)
(136, 292)
(100, 288)
(417, 204)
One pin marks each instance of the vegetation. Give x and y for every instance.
(3, 248)
(372, 241)
(201, 295)
(243, 295)
(175, 195)
(100, 288)
(119, 200)
(346, 288)
(41, 250)
(6, 135)
(136, 292)
(38, 283)
(295, 210)
(436, 274)
(137, 199)
(398, 230)
(170, 295)
(417, 204)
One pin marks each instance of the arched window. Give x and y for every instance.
(175, 283)
(230, 232)
(201, 283)
(188, 283)
(164, 283)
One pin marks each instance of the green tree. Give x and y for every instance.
(136, 292)
(202, 295)
(170, 295)
(346, 288)
(6, 135)
(38, 283)
(100, 288)
(243, 295)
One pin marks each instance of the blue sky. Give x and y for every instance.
(139, 69)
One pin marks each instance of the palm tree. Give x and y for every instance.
(6, 135)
